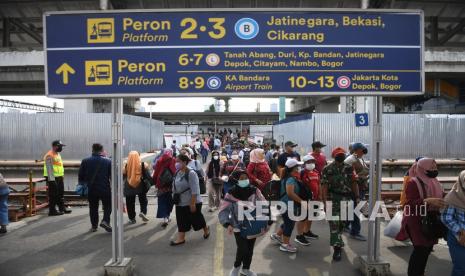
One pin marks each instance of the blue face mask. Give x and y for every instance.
(243, 183)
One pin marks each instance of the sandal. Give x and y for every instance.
(206, 236)
(173, 243)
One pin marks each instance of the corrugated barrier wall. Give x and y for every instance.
(405, 136)
(29, 136)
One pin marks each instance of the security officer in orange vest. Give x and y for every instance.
(54, 172)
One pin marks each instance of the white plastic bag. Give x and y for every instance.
(393, 227)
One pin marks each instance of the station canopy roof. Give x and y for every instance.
(444, 20)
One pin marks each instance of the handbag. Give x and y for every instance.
(82, 188)
(146, 180)
(176, 195)
(431, 224)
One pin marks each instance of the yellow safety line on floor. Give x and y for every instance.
(219, 251)
(313, 272)
(56, 271)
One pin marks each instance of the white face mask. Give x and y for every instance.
(216, 157)
(310, 167)
(235, 157)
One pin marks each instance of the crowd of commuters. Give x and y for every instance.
(241, 172)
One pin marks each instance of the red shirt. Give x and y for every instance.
(320, 161)
(259, 171)
(312, 180)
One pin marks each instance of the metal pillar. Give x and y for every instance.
(118, 265)
(150, 147)
(282, 108)
(372, 264)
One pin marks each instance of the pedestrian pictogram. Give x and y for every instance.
(99, 72)
(64, 70)
(100, 30)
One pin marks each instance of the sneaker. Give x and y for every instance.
(276, 238)
(248, 272)
(132, 221)
(234, 271)
(3, 230)
(337, 255)
(358, 237)
(311, 235)
(66, 211)
(288, 248)
(105, 225)
(143, 217)
(93, 229)
(55, 213)
(302, 240)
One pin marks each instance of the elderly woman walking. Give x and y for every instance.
(423, 190)
(454, 218)
(134, 172)
(163, 175)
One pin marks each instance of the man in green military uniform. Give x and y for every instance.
(338, 184)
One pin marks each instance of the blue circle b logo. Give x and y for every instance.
(246, 28)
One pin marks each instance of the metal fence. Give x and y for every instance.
(405, 136)
(29, 136)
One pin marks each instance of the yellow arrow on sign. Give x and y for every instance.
(65, 69)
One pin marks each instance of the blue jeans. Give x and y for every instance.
(355, 225)
(288, 225)
(4, 209)
(457, 253)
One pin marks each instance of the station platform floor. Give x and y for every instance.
(56, 246)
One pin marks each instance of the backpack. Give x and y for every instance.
(272, 190)
(166, 178)
(246, 157)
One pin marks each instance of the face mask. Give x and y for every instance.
(216, 157)
(340, 158)
(299, 169)
(235, 157)
(243, 183)
(310, 167)
(432, 174)
(178, 165)
(59, 149)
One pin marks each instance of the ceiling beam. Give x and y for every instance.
(32, 33)
(459, 27)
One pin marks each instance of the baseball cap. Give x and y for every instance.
(307, 158)
(318, 144)
(57, 143)
(357, 146)
(290, 144)
(291, 163)
(338, 151)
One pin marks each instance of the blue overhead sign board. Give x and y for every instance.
(234, 53)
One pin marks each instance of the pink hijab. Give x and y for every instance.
(255, 156)
(433, 187)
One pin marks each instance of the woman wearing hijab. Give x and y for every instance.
(407, 177)
(164, 171)
(243, 192)
(423, 189)
(229, 167)
(133, 172)
(258, 170)
(454, 218)
(215, 184)
(188, 202)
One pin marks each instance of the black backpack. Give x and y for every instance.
(272, 190)
(166, 178)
